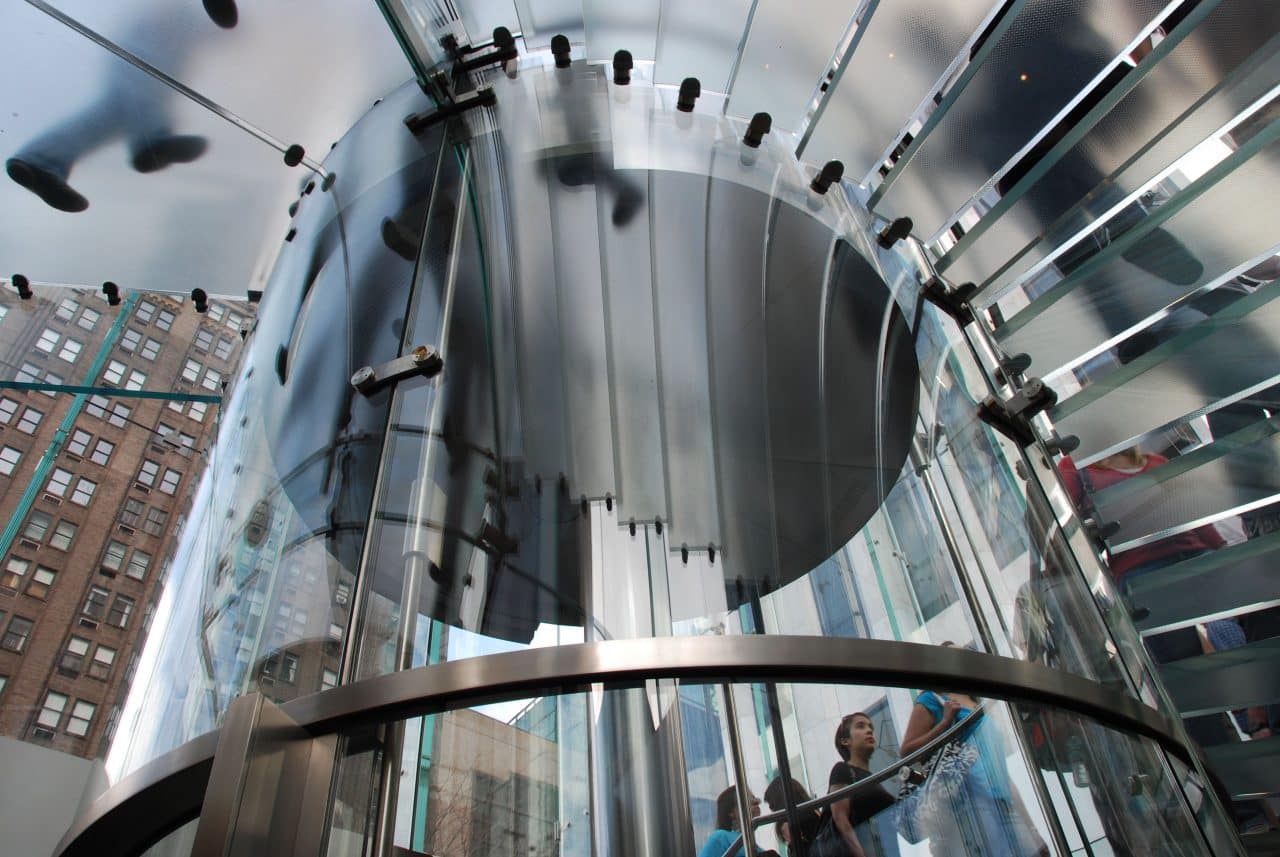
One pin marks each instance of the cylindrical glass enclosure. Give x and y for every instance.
(681, 393)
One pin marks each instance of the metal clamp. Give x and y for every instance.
(954, 302)
(423, 360)
(1012, 417)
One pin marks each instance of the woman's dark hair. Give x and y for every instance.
(842, 732)
(774, 797)
(726, 809)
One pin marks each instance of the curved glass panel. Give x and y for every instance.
(642, 427)
(656, 768)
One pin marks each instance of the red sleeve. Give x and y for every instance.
(1071, 480)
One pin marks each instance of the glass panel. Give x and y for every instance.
(1211, 361)
(699, 40)
(1164, 257)
(226, 57)
(659, 766)
(785, 57)
(144, 227)
(900, 58)
(1231, 475)
(1138, 137)
(1045, 59)
(542, 19)
(615, 26)
(125, 349)
(261, 599)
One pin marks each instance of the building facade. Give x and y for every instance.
(97, 487)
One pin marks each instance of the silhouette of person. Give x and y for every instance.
(124, 109)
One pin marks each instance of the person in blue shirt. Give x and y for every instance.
(726, 832)
(987, 818)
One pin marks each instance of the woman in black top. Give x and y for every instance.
(855, 742)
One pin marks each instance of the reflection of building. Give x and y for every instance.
(90, 542)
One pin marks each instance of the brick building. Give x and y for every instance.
(93, 490)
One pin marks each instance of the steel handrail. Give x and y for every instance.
(823, 801)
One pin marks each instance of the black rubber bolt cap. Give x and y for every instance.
(294, 155)
(560, 50)
(690, 89)
(622, 65)
(832, 171)
(761, 124)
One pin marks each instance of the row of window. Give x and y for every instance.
(14, 576)
(229, 318)
(113, 559)
(38, 527)
(31, 373)
(191, 370)
(16, 633)
(27, 423)
(96, 608)
(53, 712)
(148, 472)
(53, 342)
(133, 342)
(75, 659)
(132, 516)
(67, 309)
(221, 347)
(149, 313)
(61, 481)
(81, 443)
(119, 375)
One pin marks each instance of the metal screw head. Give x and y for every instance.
(362, 377)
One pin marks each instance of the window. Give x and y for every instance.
(174, 405)
(203, 340)
(72, 660)
(95, 605)
(328, 679)
(145, 311)
(150, 349)
(59, 482)
(37, 526)
(103, 659)
(70, 350)
(48, 340)
(14, 570)
(121, 610)
(63, 535)
(97, 406)
(9, 458)
(30, 421)
(156, 518)
(136, 380)
(8, 407)
(198, 410)
(114, 372)
(212, 379)
(164, 320)
(102, 451)
(84, 492)
(41, 582)
(66, 309)
(224, 348)
(130, 340)
(138, 565)
(217, 312)
(113, 556)
(147, 473)
(131, 514)
(4, 679)
(51, 378)
(186, 440)
(169, 484)
(81, 718)
(51, 712)
(89, 318)
(119, 414)
(234, 320)
(29, 372)
(191, 370)
(79, 443)
(16, 636)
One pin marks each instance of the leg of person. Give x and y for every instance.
(43, 166)
(149, 125)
